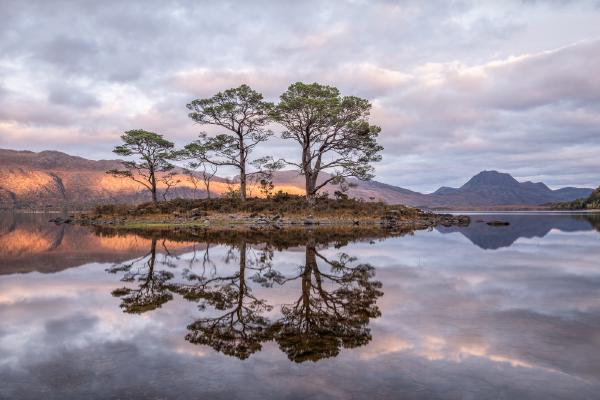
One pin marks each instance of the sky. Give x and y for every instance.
(456, 86)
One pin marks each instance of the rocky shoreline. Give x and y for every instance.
(401, 218)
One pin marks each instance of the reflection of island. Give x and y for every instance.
(28, 242)
(524, 225)
(332, 310)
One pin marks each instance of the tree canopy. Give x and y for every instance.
(154, 153)
(333, 132)
(334, 136)
(241, 111)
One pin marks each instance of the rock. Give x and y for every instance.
(451, 220)
(498, 223)
(197, 212)
(60, 220)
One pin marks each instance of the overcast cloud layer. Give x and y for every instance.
(457, 86)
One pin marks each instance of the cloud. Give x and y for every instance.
(63, 94)
(529, 112)
(457, 86)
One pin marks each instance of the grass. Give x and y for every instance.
(270, 214)
(280, 204)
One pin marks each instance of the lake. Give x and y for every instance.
(478, 312)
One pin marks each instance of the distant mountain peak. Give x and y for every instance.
(490, 178)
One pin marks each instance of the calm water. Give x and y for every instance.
(456, 313)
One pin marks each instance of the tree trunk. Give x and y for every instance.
(310, 174)
(242, 169)
(311, 183)
(153, 185)
(243, 184)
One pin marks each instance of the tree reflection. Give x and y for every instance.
(240, 330)
(333, 310)
(152, 290)
(337, 298)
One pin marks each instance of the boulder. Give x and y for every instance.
(197, 212)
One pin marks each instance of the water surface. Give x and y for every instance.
(453, 313)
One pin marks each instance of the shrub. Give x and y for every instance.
(280, 203)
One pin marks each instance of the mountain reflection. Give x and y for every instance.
(28, 242)
(521, 226)
(331, 300)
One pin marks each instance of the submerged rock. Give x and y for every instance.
(498, 223)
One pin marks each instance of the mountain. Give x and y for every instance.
(52, 179)
(493, 188)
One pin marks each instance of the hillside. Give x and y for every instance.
(51, 179)
(591, 202)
